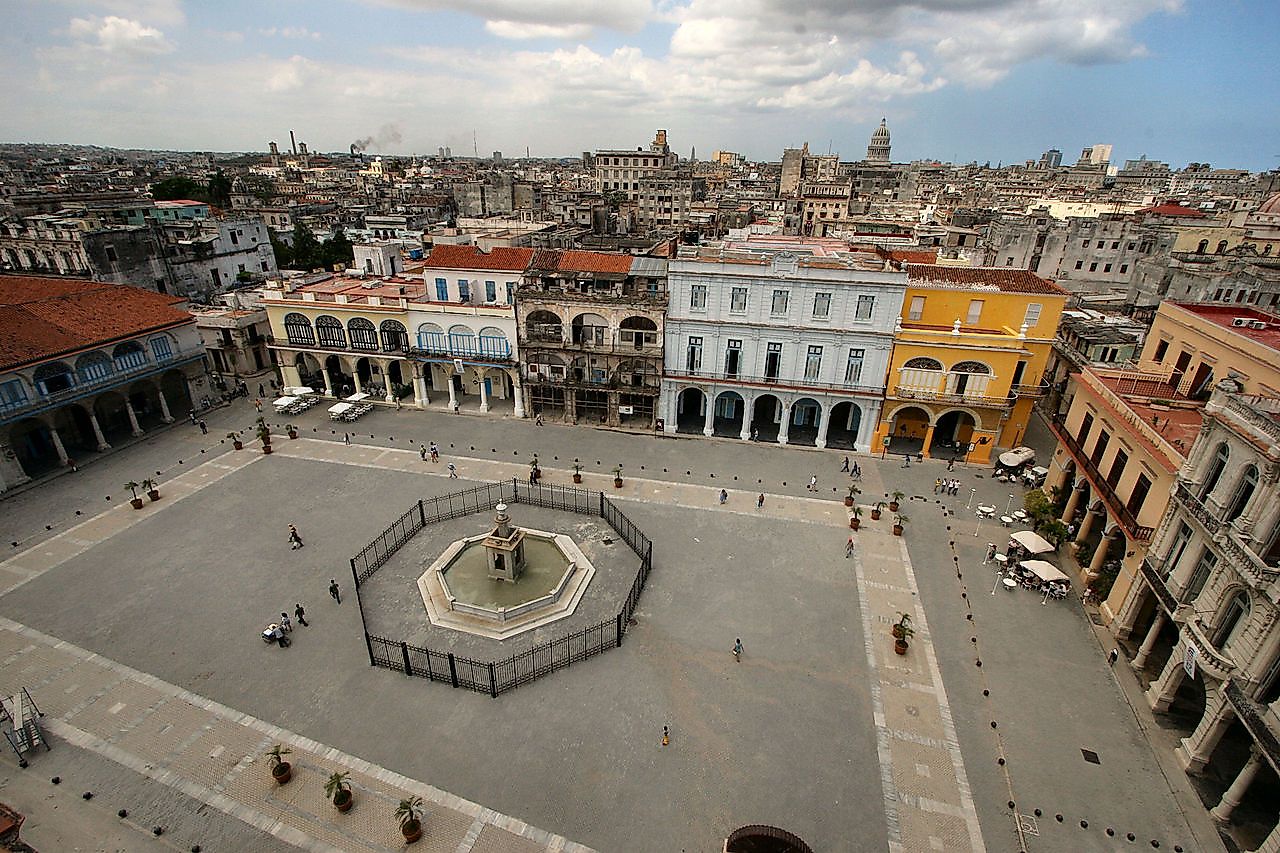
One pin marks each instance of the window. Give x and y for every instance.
(464, 290)
(1117, 467)
(1093, 267)
(1130, 246)
(853, 367)
(511, 289)
(1244, 491)
(866, 306)
(442, 290)
(12, 393)
(822, 305)
(264, 266)
(1233, 620)
(732, 358)
(235, 238)
(1033, 315)
(1161, 349)
(1008, 262)
(297, 328)
(813, 363)
(1085, 244)
(363, 335)
(693, 358)
(1079, 265)
(1180, 540)
(1219, 464)
(1139, 494)
(779, 303)
(738, 300)
(1102, 243)
(698, 297)
(111, 252)
(1100, 448)
(1106, 268)
(490, 291)
(1124, 268)
(975, 312)
(329, 332)
(395, 338)
(772, 361)
(1200, 574)
(1085, 426)
(916, 311)
(1115, 244)
(161, 349)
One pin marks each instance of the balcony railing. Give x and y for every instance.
(1255, 720)
(651, 386)
(902, 392)
(1196, 508)
(1243, 557)
(463, 346)
(86, 385)
(1032, 391)
(1155, 580)
(784, 382)
(1136, 531)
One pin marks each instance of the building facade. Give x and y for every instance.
(590, 332)
(779, 347)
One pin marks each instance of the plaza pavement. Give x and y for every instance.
(1037, 661)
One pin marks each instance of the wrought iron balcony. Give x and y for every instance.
(125, 371)
(1255, 719)
(1196, 508)
(1128, 520)
(790, 382)
(1155, 580)
(903, 392)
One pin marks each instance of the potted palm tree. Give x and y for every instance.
(875, 510)
(235, 440)
(409, 814)
(152, 492)
(898, 523)
(133, 487)
(901, 626)
(338, 789)
(855, 518)
(853, 490)
(902, 632)
(895, 497)
(577, 472)
(264, 435)
(617, 477)
(293, 431)
(281, 770)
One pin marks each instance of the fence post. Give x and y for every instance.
(619, 629)
(369, 645)
(602, 504)
(404, 650)
(355, 576)
(453, 670)
(422, 513)
(493, 684)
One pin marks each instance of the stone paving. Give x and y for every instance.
(1037, 663)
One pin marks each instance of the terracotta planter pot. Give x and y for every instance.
(266, 448)
(343, 801)
(855, 523)
(412, 830)
(577, 478)
(897, 530)
(893, 506)
(896, 631)
(900, 646)
(875, 515)
(848, 501)
(282, 772)
(617, 482)
(154, 494)
(136, 503)
(238, 445)
(293, 433)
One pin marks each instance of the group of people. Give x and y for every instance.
(947, 486)
(278, 632)
(854, 470)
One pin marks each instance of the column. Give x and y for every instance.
(63, 459)
(97, 432)
(419, 386)
(1100, 555)
(1138, 595)
(747, 402)
(164, 407)
(328, 383)
(133, 417)
(453, 392)
(386, 382)
(1073, 504)
(784, 426)
(1160, 694)
(1231, 798)
(1271, 844)
(928, 440)
(289, 373)
(1194, 750)
(11, 473)
(709, 416)
(823, 426)
(484, 394)
(517, 391)
(1149, 641)
(1086, 526)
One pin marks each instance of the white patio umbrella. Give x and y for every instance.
(1044, 571)
(339, 408)
(1032, 541)
(281, 402)
(357, 397)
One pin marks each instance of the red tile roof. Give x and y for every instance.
(44, 317)
(1008, 280)
(575, 261)
(474, 258)
(1173, 210)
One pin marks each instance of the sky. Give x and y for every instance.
(958, 80)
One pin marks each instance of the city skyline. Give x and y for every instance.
(984, 80)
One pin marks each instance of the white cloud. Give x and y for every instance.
(119, 36)
(519, 30)
(291, 33)
(621, 15)
(165, 13)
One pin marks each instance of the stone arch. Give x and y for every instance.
(844, 424)
(922, 362)
(805, 420)
(310, 371)
(691, 410)
(1246, 486)
(362, 334)
(638, 332)
(636, 373)
(298, 331)
(493, 342)
(462, 339)
(144, 397)
(112, 417)
(32, 443)
(590, 329)
(75, 430)
(730, 414)
(544, 325)
(395, 337)
(908, 425)
(177, 393)
(342, 382)
(431, 338)
(330, 333)
(767, 411)
(1217, 465)
(968, 378)
(1232, 615)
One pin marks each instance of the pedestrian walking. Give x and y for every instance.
(334, 591)
(760, 501)
(204, 427)
(285, 623)
(955, 487)
(724, 496)
(453, 472)
(257, 404)
(755, 436)
(937, 485)
(666, 736)
(346, 438)
(857, 470)
(991, 553)
(434, 450)
(192, 415)
(737, 650)
(906, 461)
(262, 391)
(533, 476)
(537, 419)
(422, 452)
(813, 482)
(295, 541)
(1113, 657)
(951, 463)
(300, 615)
(848, 547)
(844, 469)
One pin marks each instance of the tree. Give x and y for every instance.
(307, 252)
(178, 187)
(337, 250)
(284, 252)
(219, 190)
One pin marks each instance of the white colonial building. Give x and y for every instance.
(786, 343)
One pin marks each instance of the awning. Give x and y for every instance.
(339, 408)
(284, 401)
(356, 397)
(1044, 571)
(297, 391)
(1033, 542)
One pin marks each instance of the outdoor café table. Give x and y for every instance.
(986, 510)
(1006, 520)
(1010, 583)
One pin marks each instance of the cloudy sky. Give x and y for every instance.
(960, 80)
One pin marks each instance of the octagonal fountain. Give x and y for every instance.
(507, 581)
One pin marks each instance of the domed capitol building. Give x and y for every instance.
(878, 148)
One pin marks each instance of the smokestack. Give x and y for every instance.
(292, 143)
(275, 149)
(302, 148)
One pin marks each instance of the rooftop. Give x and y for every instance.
(568, 260)
(42, 317)
(474, 258)
(1155, 409)
(356, 290)
(1226, 315)
(982, 278)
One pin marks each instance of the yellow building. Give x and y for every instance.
(968, 358)
(1198, 344)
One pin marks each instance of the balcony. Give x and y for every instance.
(1155, 580)
(483, 348)
(902, 392)
(1196, 508)
(1029, 391)
(1117, 508)
(652, 386)
(1255, 719)
(400, 349)
(790, 383)
(126, 371)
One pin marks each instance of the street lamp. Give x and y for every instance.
(999, 577)
(1008, 505)
(972, 492)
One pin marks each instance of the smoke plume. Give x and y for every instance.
(388, 134)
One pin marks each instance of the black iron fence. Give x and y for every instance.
(499, 676)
